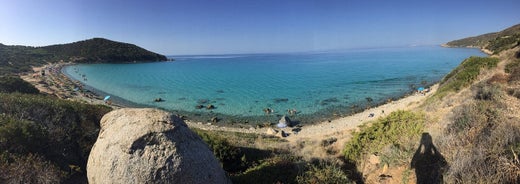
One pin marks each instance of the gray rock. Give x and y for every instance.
(284, 122)
(150, 146)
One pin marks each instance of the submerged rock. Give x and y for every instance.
(150, 146)
(209, 107)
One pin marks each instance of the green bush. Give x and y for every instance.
(500, 44)
(231, 157)
(10, 84)
(464, 75)
(61, 131)
(395, 129)
(323, 172)
(279, 169)
(20, 136)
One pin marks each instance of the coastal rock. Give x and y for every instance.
(150, 146)
(283, 134)
(214, 119)
(284, 122)
(271, 131)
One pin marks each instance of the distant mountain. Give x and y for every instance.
(494, 42)
(14, 59)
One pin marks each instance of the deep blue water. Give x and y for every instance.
(243, 85)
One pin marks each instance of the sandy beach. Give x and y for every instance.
(49, 79)
(54, 82)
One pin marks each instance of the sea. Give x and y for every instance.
(260, 88)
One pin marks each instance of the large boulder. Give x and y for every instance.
(150, 146)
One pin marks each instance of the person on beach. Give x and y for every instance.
(268, 111)
(291, 111)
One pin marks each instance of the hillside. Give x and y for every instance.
(467, 131)
(44, 139)
(17, 59)
(494, 42)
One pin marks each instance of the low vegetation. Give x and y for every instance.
(483, 41)
(247, 161)
(482, 143)
(464, 75)
(500, 44)
(387, 136)
(324, 172)
(10, 84)
(45, 139)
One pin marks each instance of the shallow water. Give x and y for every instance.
(240, 86)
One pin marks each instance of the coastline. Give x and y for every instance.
(484, 50)
(55, 82)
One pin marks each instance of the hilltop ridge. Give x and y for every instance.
(96, 50)
(492, 43)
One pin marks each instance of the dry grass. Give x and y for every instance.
(480, 143)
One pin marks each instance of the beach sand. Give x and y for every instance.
(55, 83)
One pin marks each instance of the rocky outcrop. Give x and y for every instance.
(150, 146)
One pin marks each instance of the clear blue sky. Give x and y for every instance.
(252, 26)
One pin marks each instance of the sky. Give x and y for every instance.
(183, 27)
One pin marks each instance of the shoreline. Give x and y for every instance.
(57, 83)
(54, 82)
(339, 128)
(485, 51)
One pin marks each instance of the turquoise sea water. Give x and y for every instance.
(241, 86)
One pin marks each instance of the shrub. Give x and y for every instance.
(20, 136)
(395, 129)
(515, 64)
(10, 84)
(514, 92)
(230, 157)
(514, 71)
(29, 168)
(480, 145)
(282, 168)
(488, 92)
(61, 131)
(500, 44)
(464, 75)
(323, 172)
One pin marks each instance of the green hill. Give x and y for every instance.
(44, 139)
(495, 42)
(17, 59)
